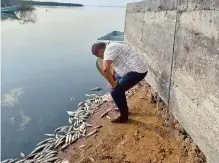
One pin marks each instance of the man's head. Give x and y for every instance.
(98, 49)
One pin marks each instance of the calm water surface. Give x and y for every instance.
(46, 60)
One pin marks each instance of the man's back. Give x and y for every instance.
(125, 58)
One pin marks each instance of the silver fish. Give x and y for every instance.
(50, 135)
(22, 155)
(64, 146)
(92, 132)
(71, 113)
(80, 104)
(38, 148)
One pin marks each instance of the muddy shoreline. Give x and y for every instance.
(152, 135)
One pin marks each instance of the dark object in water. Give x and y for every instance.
(96, 89)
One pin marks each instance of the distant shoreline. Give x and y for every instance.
(38, 3)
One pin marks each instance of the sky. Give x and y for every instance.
(101, 2)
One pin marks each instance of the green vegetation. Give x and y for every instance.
(24, 6)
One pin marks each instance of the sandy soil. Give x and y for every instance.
(152, 135)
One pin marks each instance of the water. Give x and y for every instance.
(46, 60)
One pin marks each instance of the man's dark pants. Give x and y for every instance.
(125, 83)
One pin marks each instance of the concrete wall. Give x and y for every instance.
(180, 42)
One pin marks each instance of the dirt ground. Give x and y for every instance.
(152, 135)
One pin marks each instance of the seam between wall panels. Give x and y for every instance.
(173, 54)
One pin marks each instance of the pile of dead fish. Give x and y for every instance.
(47, 150)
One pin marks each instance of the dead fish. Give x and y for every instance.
(64, 146)
(88, 125)
(22, 155)
(108, 117)
(72, 98)
(92, 132)
(44, 141)
(82, 146)
(98, 127)
(71, 113)
(80, 103)
(96, 89)
(105, 113)
(50, 135)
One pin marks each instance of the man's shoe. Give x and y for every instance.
(120, 119)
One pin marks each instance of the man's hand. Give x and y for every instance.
(114, 85)
(108, 74)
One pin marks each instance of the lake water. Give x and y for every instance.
(46, 60)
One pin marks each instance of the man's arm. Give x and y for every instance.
(107, 72)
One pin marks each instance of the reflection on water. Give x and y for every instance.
(23, 17)
(10, 16)
(47, 68)
(27, 17)
(25, 120)
(11, 98)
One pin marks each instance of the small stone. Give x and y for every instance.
(179, 128)
(136, 133)
(92, 159)
(193, 146)
(198, 160)
(167, 122)
(202, 156)
(168, 151)
(171, 118)
(165, 116)
(154, 160)
(186, 142)
(175, 122)
(176, 133)
(160, 108)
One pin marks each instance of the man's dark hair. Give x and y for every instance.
(97, 46)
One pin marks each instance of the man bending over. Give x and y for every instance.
(130, 70)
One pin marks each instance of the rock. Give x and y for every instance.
(198, 160)
(160, 108)
(171, 118)
(92, 159)
(178, 135)
(168, 151)
(154, 160)
(186, 143)
(167, 122)
(174, 122)
(202, 156)
(165, 116)
(136, 133)
(179, 128)
(193, 146)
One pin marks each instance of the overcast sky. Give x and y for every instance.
(100, 2)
